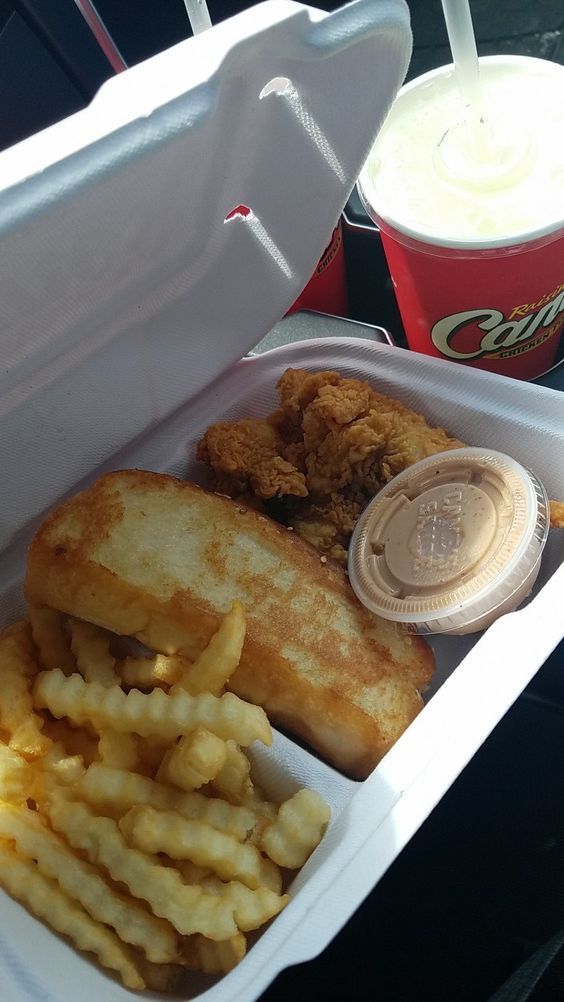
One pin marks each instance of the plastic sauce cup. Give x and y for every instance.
(475, 252)
(452, 543)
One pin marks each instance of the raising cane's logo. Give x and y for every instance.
(475, 333)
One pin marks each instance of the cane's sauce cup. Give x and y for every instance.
(452, 543)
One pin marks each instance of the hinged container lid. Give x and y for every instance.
(115, 238)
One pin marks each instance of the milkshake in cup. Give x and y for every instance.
(472, 220)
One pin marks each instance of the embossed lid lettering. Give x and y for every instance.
(451, 543)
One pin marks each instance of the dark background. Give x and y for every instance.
(481, 885)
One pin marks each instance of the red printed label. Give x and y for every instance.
(326, 290)
(475, 333)
(500, 309)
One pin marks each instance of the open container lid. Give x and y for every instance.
(115, 238)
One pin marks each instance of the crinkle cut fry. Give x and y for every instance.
(252, 907)
(151, 752)
(17, 668)
(16, 776)
(167, 715)
(59, 765)
(51, 639)
(91, 648)
(193, 761)
(188, 908)
(146, 673)
(211, 671)
(159, 977)
(75, 740)
(233, 781)
(118, 750)
(164, 831)
(22, 879)
(201, 954)
(297, 830)
(119, 790)
(82, 883)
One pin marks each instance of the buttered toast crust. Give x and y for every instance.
(150, 556)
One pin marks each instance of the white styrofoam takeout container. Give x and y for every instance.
(477, 679)
(124, 297)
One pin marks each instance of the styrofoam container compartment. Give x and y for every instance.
(477, 679)
(126, 305)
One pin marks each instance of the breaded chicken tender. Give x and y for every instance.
(249, 453)
(317, 460)
(352, 435)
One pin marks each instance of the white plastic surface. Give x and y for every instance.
(478, 677)
(117, 259)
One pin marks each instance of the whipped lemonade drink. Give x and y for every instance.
(472, 216)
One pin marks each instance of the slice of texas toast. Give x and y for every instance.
(149, 556)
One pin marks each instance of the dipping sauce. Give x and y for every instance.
(452, 543)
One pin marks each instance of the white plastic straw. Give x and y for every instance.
(463, 47)
(101, 34)
(198, 14)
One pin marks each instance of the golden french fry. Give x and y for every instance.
(118, 750)
(188, 908)
(51, 638)
(74, 740)
(192, 863)
(255, 799)
(155, 831)
(270, 875)
(91, 648)
(23, 880)
(265, 811)
(151, 753)
(159, 977)
(17, 668)
(16, 776)
(167, 715)
(190, 872)
(252, 907)
(118, 791)
(217, 662)
(146, 673)
(66, 769)
(298, 829)
(252, 912)
(193, 761)
(233, 780)
(201, 954)
(81, 882)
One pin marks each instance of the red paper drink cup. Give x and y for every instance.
(326, 291)
(472, 222)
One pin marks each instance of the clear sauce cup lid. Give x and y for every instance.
(452, 543)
